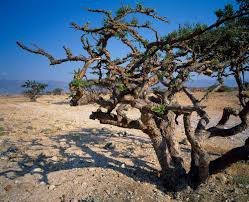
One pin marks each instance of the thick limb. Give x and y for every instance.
(199, 170)
(243, 114)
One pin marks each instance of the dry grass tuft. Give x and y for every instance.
(240, 173)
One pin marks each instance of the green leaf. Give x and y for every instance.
(159, 109)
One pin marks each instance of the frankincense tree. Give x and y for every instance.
(219, 50)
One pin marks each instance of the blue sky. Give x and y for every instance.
(46, 23)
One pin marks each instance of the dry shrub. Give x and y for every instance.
(240, 172)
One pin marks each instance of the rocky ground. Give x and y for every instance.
(50, 151)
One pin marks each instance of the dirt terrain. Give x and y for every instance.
(50, 151)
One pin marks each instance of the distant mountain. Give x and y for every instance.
(14, 86)
(202, 83)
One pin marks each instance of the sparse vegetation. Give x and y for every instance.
(240, 173)
(34, 89)
(223, 88)
(58, 91)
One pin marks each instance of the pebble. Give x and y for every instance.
(114, 135)
(83, 184)
(125, 134)
(109, 145)
(12, 149)
(37, 170)
(29, 127)
(122, 133)
(17, 182)
(8, 188)
(127, 154)
(54, 158)
(105, 129)
(222, 178)
(4, 158)
(51, 187)
(123, 165)
(42, 183)
(94, 130)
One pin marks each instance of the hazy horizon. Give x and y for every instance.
(14, 86)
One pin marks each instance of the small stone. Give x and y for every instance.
(123, 165)
(176, 195)
(109, 146)
(12, 149)
(188, 189)
(63, 144)
(130, 192)
(127, 154)
(104, 129)
(17, 182)
(124, 134)
(222, 178)
(83, 184)
(29, 128)
(247, 186)
(114, 135)
(42, 183)
(8, 188)
(51, 187)
(94, 130)
(54, 158)
(4, 158)
(37, 170)
(75, 181)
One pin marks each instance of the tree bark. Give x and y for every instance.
(166, 148)
(76, 98)
(199, 170)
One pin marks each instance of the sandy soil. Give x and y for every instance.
(50, 151)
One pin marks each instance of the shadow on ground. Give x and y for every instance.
(86, 157)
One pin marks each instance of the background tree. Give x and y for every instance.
(34, 89)
(58, 91)
(169, 62)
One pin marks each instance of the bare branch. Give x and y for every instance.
(52, 60)
(243, 114)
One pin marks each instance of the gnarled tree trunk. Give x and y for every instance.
(77, 95)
